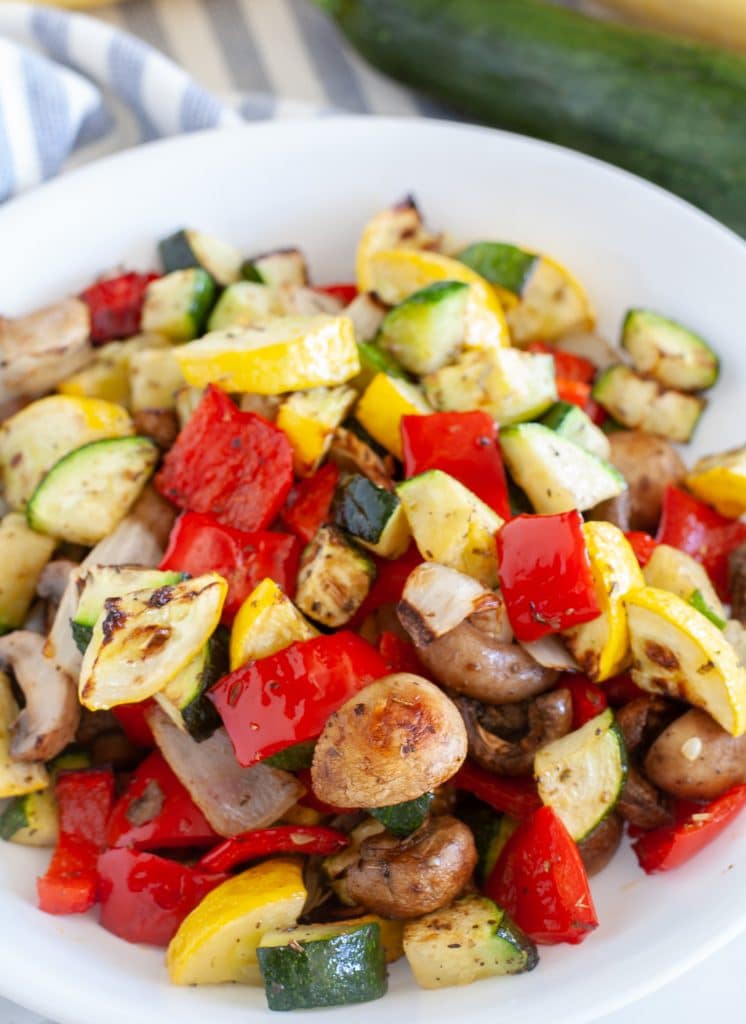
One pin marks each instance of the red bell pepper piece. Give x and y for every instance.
(115, 305)
(517, 797)
(308, 839)
(199, 544)
(620, 690)
(588, 699)
(567, 365)
(669, 847)
(344, 292)
(84, 799)
(596, 412)
(539, 879)
(233, 465)
(144, 898)
(389, 583)
(464, 444)
(575, 391)
(545, 574)
(642, 544)
(309, 798)
(156, 812)
(399, 655)
(134, 722)
(309, 501)
(700, 531)
(270, 704)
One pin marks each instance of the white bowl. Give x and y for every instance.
(315, 184)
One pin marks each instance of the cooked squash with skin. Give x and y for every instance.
(674, 570)
(309, 419)
(720, 480)
(23, 555)
(16, 777)
(267, 622)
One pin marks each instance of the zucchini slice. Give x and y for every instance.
(451, 525)
(720, 480)
(581, 775)
(511, 386)
(23, 555)
(502, 264)
(98, 582)
(679, 652)
(142, 640)
(491, 831)
(188, 248)
(333, 579)
(425, 331)
(266, 623)
(382, 405)
(294, 758)
(436, 599)
(322, 965)
(571, 422)
(373, 360)
(177, 305)
(309, 419)
(557, 474)
(373, 516)
(243, 304)
(88, 492)
(469, 940)
(674, 570)
(183, 697)
(673, 355)
(16, 777)
(697, 601)
(282, 266)
(404, 818)
(38, 436)
(641, 404)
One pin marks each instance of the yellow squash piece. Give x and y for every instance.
(309, 419)
(398, 273)
(601, 646)
(552, 303)
(16, 777)
(23, 555)
(720, 480)
(217, 942)
(142, 640)
(290, 353)
(674, 570)
(155, 378)
(33, 440)
(399, 227)
(382, 405)
(677, 651)
(266, 623)
(392, 933)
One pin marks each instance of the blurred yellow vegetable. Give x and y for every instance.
(715, 21)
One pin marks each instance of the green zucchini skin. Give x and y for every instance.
(405, 818)
(667, 109)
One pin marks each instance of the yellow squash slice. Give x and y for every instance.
(382, 405)
(399, 227)
(309, 419)
(552, 303)
(720, 480)
(16, 777)
(266, 623)
(23, 555)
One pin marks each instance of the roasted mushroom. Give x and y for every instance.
(39, 350)
(641, 804)
(54, 579)
(599, 847)
(614, 510)
(353, 455)
(695, 759)
(51, 714)
(649, 464)
(737, 582)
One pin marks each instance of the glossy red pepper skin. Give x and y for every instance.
(134, 723)
(84, 799)
(575, 391)
(307, 839)
(545, 574)
(270, 704)
(588, 699)
(115, 305)
(539, 879)
(399, 655)
(642, 544)
(517, 797)
(389, 583)
(669, 847)
(620, 690)
(344, 292)
(309, 502)
(700, 531)
(232, 465)
(144, 898)
(567, 366)
(463, 444)
(200, 544)
(176, 820)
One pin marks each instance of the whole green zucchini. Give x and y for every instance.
(670, 110)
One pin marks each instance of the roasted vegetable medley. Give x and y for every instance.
(350, 622)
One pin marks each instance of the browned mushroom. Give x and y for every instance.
(403, 878)
(649, 464)
(353, 455)
(598, 848)
(695, 759)
(737, 582)
(50, 717)
(39, 350)
(641, 804)
(54, 579)
(614, 510)
(643, 718)
(161, 425)
(504, 739)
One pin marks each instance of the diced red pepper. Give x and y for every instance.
(134, 723)
(84, 799)
(308, 839)
(344, 292)
(669, 847)
(389, 583)
(399, 655)
(596, 412)
(115, 305)
(700, 531)
(588, 699)
(620, 690)
(233, 465)
(575, 391)
(463, 444)
(517, 797)
(309, 501)
(200, 544)
(545, 574)
(309, 798)
(270, 704)
(156, 812)
(642, 544)
(567, 365)
(144, 898)
(539, 879)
